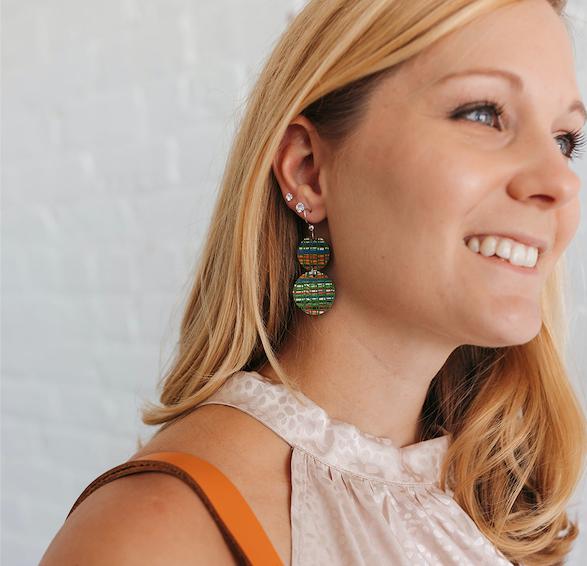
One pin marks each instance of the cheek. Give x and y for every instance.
(425, 194)
(409, 195)
(407, 215)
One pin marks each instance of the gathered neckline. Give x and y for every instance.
(303, 423)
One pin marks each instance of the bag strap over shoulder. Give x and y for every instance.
(240, 528)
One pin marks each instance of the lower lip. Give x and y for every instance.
(506, 264)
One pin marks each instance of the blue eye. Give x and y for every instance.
(478, 108)
(575, 139)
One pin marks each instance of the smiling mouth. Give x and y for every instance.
(524, 251)
(528, 241)
(499, 261)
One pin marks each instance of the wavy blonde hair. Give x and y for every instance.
(515, 420)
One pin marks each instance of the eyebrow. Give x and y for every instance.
(516, 80)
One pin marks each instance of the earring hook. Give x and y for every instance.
(310, 226)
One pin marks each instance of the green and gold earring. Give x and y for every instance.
(313, 291)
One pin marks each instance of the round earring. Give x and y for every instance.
(313, 291)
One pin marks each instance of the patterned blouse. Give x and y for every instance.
(356, 498)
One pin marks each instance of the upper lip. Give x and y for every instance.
(526, 239)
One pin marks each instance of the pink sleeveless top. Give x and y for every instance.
(356, 498)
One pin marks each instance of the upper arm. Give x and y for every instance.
(147, 518)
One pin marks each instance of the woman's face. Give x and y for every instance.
(416, 180)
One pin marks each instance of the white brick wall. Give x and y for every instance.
(117, 117)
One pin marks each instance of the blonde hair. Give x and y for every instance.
(514, 418)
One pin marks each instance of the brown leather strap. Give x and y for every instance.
(240, 528)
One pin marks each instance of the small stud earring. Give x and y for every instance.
(288, 197)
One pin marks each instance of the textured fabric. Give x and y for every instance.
(356, 498)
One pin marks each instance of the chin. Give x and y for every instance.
(513, 329)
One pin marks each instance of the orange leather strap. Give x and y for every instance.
(240, 528)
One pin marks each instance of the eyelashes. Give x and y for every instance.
(578, 141)
(576, 138)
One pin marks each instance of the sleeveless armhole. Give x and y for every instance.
(240, 528)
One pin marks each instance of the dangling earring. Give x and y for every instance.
(313, 291)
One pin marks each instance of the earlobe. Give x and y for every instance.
(300, 207)
(306, 200)
(298, 204)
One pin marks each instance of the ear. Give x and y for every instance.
(297, 169)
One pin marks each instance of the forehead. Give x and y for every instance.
(527, 38)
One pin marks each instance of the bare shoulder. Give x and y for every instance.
(228, 438)
(148, 518)
(156, 518)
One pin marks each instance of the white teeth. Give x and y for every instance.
(504, 249)
(473, 244)
(488, 246)
(532, 257)
(518, 256)
(510, 250)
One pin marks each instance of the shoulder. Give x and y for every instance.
(144, 518)
(228, 438)
(154, 517)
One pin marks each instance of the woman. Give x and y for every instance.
(399, 396)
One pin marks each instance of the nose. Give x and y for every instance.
(543, 175)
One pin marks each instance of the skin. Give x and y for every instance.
(397, 200)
